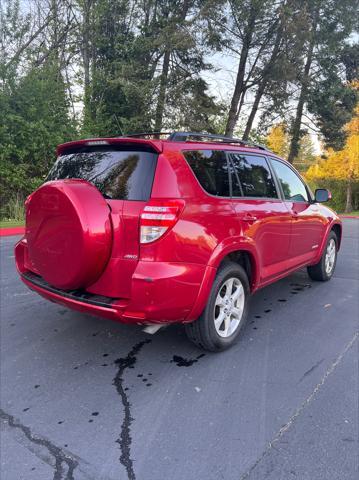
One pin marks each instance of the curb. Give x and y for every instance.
(349, 216)
(8, 231)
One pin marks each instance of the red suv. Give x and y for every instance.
(150, 231)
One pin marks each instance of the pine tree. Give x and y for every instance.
(322, 85)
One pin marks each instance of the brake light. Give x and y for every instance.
(157, 218)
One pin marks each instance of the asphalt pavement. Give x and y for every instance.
(87, 398)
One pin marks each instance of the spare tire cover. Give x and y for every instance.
(69, 233)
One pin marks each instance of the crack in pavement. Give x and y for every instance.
(125, 437)
(300, 409)
(60, 457)
(311, 370)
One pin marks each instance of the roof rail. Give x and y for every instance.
(185, 136)
(147, 134)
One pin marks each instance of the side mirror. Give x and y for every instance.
(322, 195)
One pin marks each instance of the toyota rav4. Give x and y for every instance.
(184, 229)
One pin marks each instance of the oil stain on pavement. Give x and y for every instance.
(125, 436)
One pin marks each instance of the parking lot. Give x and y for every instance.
(86, 398)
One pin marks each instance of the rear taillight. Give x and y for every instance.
(157, 217)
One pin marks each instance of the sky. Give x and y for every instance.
(221, 83)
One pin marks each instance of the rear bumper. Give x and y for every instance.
(111, 309)
(161, 292)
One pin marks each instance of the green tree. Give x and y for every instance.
(252, 25)
(329, 25)
(277, 66)
(142, 65)
(35, 119)
(34, 105)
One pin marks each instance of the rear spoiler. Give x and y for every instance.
(155, 144)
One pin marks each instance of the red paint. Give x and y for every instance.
(155, 144)
(9, 231)
(75, 239)
(68, 232)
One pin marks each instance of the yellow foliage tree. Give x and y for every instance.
(278, 140)
(341, 165)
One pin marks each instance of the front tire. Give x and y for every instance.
(324, 269)
(225, 313)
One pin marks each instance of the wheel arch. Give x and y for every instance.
(335, 227)
(240, 250)
(246, 260)
(338, 230)
(243, 253)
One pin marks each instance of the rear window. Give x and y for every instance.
(211, 170)
(121, 175)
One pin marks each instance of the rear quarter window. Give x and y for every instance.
(211, 169)
(121, 175)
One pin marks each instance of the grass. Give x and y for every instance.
(11, 223)
(354, 213)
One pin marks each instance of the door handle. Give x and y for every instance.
(249, 218)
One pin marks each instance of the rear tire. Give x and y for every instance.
(324, 269)
(225, 313)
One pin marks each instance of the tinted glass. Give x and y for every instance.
(211, 170)
(252, 177)
(117, 174)
(292, 186)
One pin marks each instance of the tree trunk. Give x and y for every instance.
(262, 85)
(349, 200)
(162, 92)
(70, 92)
(238, 89)
(231, 122)
(254, 110)
(86, 61)
(241, 102)
(294, 144)
(164, 74)
(55, 39)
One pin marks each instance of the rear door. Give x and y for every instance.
(124, 175)
(263, 215)
(308, 224)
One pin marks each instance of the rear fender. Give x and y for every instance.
(229, 245)
(235, 244)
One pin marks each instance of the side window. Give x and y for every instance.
(292, 186)
(211, 170)
(252, 177)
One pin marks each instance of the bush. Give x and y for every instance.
(338, 189)
(15, 178)
(14, 209)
